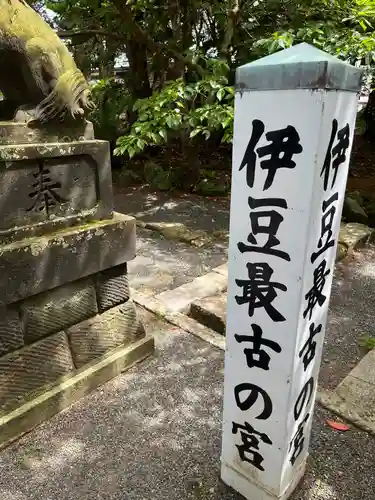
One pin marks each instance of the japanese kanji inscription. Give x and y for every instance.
(290, 164)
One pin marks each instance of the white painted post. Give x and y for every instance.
(295, 115)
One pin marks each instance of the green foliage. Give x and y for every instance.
(199, 109)
(368, 343)
(158, 177)
(112, 101)
(342, 28)
(182, 56)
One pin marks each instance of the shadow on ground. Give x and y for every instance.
(162, 264)
(155, 433)
(196, 212)
(351, 316)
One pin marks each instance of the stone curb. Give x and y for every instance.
(339, 407)
(180, 299)
(354, 398)
(178, 319)
(326, 399)
(178, 231)
(352, 235)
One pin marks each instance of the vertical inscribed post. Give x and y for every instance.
(294, 124)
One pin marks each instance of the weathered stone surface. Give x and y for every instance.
(342, 251)
(11, 331)
(359, 396)
(180, 232)
(26, 371)
(71, 388)
(354, 398)
(179, 299)
(16, 132)
(211, 312)
(353, 212)
(112, 287)
(98, 336)
(178, 319)
(38, 264)
(223, 269)
(65, 183)
(365, 369)
(353, 235)
(58, 309)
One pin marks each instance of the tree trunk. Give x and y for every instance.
(139, 82)
(369, 116)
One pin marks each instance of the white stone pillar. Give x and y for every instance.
(295, 115)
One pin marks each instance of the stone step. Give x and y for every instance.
(180, 299)
(211, 312)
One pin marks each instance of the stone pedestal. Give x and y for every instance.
(67, 322)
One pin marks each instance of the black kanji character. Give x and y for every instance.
(283, 144)
(338, 152)
(256, 356)
(304, 398)
(259, 290)
(252, 398)
(249, 449)
(298, 441)
(326, 227)
(315, 295)
(44, 193)
(250, 158)
(308, 351)
(270, 229)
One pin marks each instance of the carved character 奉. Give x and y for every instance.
(37, 71)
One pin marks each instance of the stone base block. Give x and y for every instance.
(58, 309)
(69, 389)
(25, 371)
(112, 287)
(35, 265)
(48, 185)
(11, 331)
(51, 338)
(95, 337)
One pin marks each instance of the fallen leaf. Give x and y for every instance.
(338, 426)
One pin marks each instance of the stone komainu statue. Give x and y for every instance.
(37, 72)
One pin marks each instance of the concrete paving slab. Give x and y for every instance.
(360, 396)
(183, 321)
(365, 370)
(162, 264)
(179, 299)
(354, 398)
(223, 269)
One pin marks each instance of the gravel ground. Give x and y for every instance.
(351, 316)
(196, 212)
(162, 264)
(154, 433)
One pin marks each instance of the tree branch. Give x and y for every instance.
(90, 33)
(149, 42)
(139, 33)
(233, 15)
